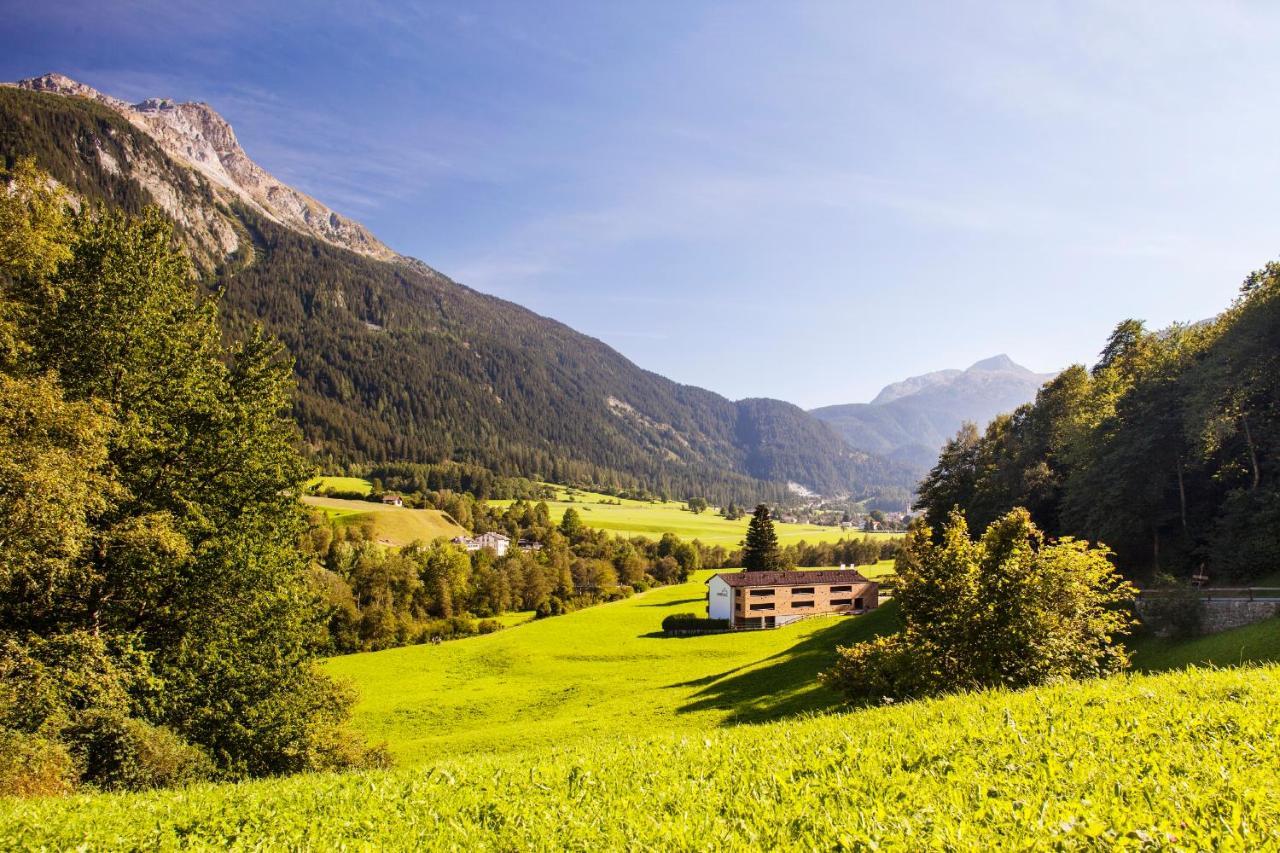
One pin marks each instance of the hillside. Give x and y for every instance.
(1184, 760)
(909, 421)
(396, 361)
(390, 525)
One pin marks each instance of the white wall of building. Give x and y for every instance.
(719, 599)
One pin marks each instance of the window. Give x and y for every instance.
(756, 593)
(841, 602)
(842, 589)
(801, 604)
(802, 590)
(857, 604)
(766, 606)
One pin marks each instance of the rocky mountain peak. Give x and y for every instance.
(997, 363)
(197, 136)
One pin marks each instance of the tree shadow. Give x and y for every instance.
(700, 600)
(786, 684)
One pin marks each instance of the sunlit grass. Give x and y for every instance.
(606, 671)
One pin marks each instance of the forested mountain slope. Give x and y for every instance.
(396, 361)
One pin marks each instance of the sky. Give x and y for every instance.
(795, 200)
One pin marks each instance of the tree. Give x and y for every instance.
(1008, 610)
(760, 551)
(174, 468)
(571, 525)
(698, 505)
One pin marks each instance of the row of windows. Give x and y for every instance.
(801, 605)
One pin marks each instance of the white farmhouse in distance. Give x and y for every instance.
(498, 542)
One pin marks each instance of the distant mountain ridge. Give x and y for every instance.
(909, 421)
(394, 360)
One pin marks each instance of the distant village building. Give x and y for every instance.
(529, 545)
(773, 599)
(498, 542)
(392, 499)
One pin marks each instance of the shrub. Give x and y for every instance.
(688, 622)
(1009, 610)
(32, 765)
(347, 495)
(1173, 612)
(488, 626)
(882, 668)
(116, 752)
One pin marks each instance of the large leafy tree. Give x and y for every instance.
(1008, 610)
(1164, 450)
(151, 476)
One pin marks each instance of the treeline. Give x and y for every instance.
(375, 598)
(854, 551)
(1165, 449)
(157, 620)
(411, 478)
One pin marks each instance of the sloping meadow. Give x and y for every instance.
(1183, 760)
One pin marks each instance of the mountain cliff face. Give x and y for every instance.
(197, 137)
(909, 421)
(394, 360)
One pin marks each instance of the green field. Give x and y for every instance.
(652, 519)
(1257, 643)
(392, 525)
(1180, 761)
(602, 672)
(339, 484)
(592, 731)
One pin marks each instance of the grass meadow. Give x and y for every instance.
(1187, 760)
(652, 519)
(392, 525)
(592, 731)
(602, 672)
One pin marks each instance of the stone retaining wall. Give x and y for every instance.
(1223, 615)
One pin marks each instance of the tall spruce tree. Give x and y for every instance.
(760, 550)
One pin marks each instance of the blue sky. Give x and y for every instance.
(795, 200)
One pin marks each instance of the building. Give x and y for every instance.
(392, 499)
(772, 599)
(496, 541)
(529, 545)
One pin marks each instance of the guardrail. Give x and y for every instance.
(1221, 593)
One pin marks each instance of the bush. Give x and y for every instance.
(1009, 610)
(116, 752)
(690, 622)
(346, 495)
(34, 766)
(1174, 612)
(880, 669)
(488, 626)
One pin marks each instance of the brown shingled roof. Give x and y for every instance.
(796, 578)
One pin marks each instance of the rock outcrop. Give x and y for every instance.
(197, 136)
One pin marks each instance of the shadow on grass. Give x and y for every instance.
(702, 600)
(786, 684)
(1256, 643)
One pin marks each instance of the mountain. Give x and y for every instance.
(909, 421)
(394, 360)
